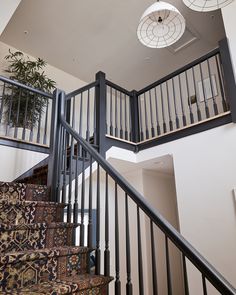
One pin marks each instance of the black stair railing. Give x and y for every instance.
(25, 113)
(188, 96)
(128, 252)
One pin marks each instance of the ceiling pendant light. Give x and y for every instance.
(206, 5)
(161, 25)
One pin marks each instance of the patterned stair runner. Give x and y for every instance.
(37, 255)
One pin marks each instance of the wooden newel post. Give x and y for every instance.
(101, 112)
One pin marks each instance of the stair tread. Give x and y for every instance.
(29, 255)
(23, 191)
(67, 285)
(27, 226)
(27, 202)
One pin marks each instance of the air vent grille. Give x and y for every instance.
(187, 39)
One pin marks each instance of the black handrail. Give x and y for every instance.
(80, 90)
(31, 89)
(216, 279)
(179, 71)
(118, 88)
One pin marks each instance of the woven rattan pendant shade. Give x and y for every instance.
(160, 26)
(206, 5)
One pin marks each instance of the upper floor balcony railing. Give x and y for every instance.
(198, 93)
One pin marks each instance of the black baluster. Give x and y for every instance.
(94, 120)
(129, 286)
(88, 117)
(175, 107)
(82, 200)
(76, 206)
(9, 114)
(140, 254)
(59, 168)
(199, 115)
(204, 93)
(182, 105)
(107, 251)
(212, 90)
(141, 118)
(163, 111)
(168, 270)
(131, 136)
(17, 115)
(69, 206)
(25, 118)
(2, 102)
(117, 246)
(126, 128)
(39, 121)
(46, 123)
(73, 112)
(64, 166)
(189, 99)
(146, 116)
(81, 114)
(157, 116)
(151, 114)
(154, 268)
(32, 125)
(90, 222)
(121, 117)
(204, 287)
(224, 104)
(169, 109)
(116, 114)
(186, 289)
(111, 112)
(98, 251)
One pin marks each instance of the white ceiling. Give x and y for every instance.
(85, 36)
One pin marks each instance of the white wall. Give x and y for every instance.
(63, 80)
(15, 162)
(7, 9)
(159, 190)
(204, 166)
(228, 14)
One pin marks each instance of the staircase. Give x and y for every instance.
(37, 255)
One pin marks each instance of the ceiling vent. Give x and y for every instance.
(188, 38)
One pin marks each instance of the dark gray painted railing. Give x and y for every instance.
(25, 113)
(188, 96)
(101, 187)
(118, 115)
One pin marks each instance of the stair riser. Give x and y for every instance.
(31, 212)
(94, 291)
(32, 239)
(69, 265)
(23, 274)
(20, 192)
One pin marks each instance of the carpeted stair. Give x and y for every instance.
(36, 251)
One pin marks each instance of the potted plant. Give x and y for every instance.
(22, 108)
